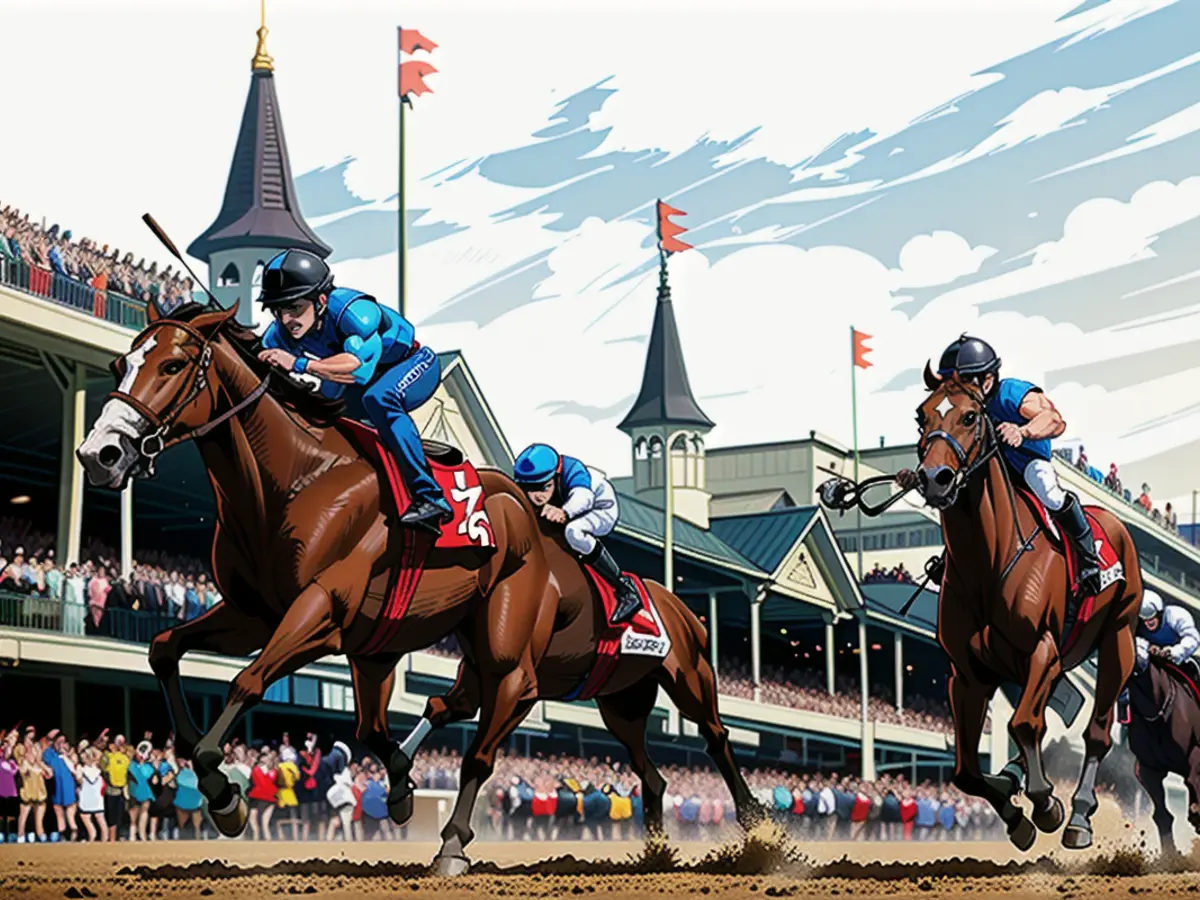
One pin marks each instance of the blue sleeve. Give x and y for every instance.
(272, 339)
(359, 323)
(575, 475)
(1012, 394)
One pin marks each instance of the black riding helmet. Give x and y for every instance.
(970, 357)
(293, 275)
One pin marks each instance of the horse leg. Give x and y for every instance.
(1114, 665)
(625, 715)
(969, 699)
(1193, 786)
(306, 633)
(1152, 781)
(1028, 728)
(507, 700)
(222, 629)
(694, 693)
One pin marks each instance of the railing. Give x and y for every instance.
(110, 306)
(42, 614)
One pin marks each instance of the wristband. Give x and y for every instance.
(300, 365)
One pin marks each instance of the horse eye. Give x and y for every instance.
(174, 367)
(969, 418)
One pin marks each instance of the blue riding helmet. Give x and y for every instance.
(536, 465)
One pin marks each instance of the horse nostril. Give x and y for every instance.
(109, 456)
(943, 476)
(923, 479)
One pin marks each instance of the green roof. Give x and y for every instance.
(888, 598)
(764, 538)
(639, 516)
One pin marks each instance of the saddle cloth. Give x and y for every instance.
(644, 635)
(1111, 568)
(469, 527)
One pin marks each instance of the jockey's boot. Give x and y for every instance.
(629, 602)
(424, 513)
(1075, 528)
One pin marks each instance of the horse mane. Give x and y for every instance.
(316, 409)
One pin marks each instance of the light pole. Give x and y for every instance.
(669, 509)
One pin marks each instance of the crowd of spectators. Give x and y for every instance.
(92, 597)
(802, 689)
(51, 261)
(1167, 517)
(897, 574)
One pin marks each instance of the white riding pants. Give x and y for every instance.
(582, 532)
(1043, 480)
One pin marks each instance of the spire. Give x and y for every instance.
(262, 61)
(666, 395)
(260, 208)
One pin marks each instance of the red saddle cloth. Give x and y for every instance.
(1111, 569)
(469, 527)
(1185, 676)
(643, 635)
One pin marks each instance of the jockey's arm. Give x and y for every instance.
(577, 485)
(579, 501)
(1044, 420)
(1180, 620)
(362, 346)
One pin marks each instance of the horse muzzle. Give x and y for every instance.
(939, 485)
(111, 453)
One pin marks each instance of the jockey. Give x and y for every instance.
(1025, 421)
(1168, 631)
(569, 493)
(344, 337)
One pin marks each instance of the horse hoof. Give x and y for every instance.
(1050, 819)
(1022, 834)
(451, 866)
(1077, 837)
(231, 821)
(400, 803)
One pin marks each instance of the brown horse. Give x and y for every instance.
(302, 552)
(1002, 609)
(1164, 736)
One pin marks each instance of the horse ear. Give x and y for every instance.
(152, 313)
(208, 323)
(932, 380)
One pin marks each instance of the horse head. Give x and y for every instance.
(953, 424)
(164, 393)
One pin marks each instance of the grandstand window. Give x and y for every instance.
(901, 538)
(256, 281)
(306, 691)
(337, 696)
(639, 449)
(229, 277)
(278, 692)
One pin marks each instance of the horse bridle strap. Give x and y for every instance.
(154, 444)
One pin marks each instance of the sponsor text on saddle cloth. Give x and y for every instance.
(643, 635)
(1111, 569)
(469, 527)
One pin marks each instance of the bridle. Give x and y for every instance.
(197, 383)
(984, 446)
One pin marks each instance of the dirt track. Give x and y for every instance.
(763, 866)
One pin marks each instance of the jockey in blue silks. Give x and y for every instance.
(1025, 421)
(568, 493)
(343, 337)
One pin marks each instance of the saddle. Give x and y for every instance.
(1188, 673)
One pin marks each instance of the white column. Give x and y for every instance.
(829, 657)
(127, 531)
(868, 727)
(70, 473)
(899, 671)
(1001, 711)
(712, 630)
(756, 646)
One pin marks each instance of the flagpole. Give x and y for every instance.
(854, 416)
(401, 220)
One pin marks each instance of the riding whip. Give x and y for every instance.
(174, 251)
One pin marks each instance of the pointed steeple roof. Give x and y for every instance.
(666, 395)
(260, 207)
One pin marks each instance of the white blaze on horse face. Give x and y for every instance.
(944, 407)
(134, 360)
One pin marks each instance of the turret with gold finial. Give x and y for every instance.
(262, 60)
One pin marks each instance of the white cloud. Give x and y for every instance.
(928, 260)
(1173, 127)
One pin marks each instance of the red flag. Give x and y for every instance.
(412, 40)
(668, 231)
(412, 78)
(861, 350)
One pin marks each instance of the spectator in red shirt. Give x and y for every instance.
(908, 814)
(263, 794)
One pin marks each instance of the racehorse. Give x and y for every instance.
(1164, 735)
(302, 544)
(1002, 609)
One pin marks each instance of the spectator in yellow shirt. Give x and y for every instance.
(115, 766)
(286, 776)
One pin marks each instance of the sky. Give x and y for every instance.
(1026, 170)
